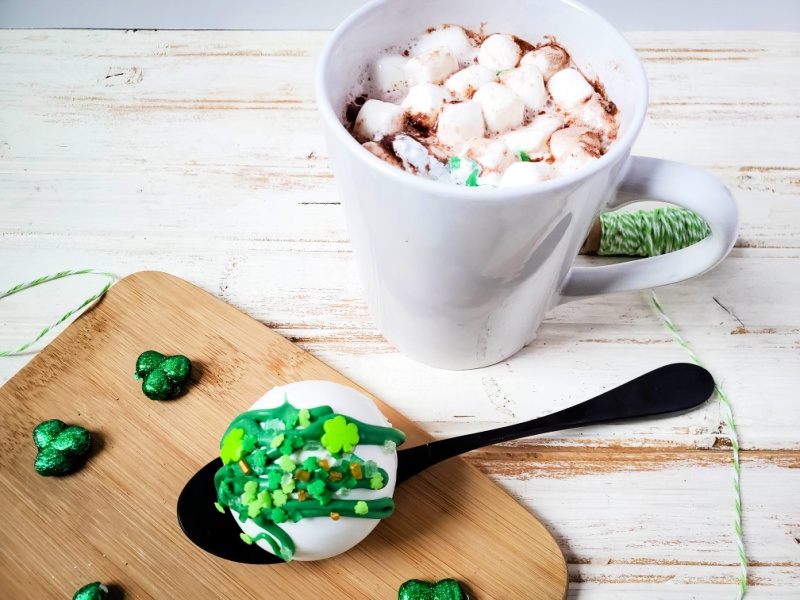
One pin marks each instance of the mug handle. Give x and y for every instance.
(676, 183)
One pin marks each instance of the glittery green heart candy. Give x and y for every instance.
(162, 375)
(92, 591)
(446, 589)
(60, 446)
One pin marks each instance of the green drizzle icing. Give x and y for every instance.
(259, 479)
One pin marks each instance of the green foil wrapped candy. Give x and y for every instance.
(61, 447)
(162, 375)
(92, 591)
(446, 589)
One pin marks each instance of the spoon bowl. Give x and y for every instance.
(668, 390)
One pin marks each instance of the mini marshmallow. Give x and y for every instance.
(448, 36)
(499, 52)
(526, 82)
(423, 103)
(377, 119)
(460, 122)
(416, 158)
(533, 139)
(569, 89)
(525, 173)
(466, 82)
(433, 66)
(388, 77)
(493, 156)
(573, 148)
(502, 109)
(596, 114)
(549, 59)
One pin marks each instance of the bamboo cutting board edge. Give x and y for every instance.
(147, 450)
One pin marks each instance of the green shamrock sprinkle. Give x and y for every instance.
(279, 515)
(376, 481)
(523, 156)
(219, 507)
(162, 375)
(304, 418)
(286, 463)
(273, 480)
(261, 502)
(311, 463)
(446, 589)
(92, 591)
(232, 449)
(246, 538)
(277, 441)
(60, 447)
(279, 498)
(339, 435)
(454, 163)
(361, 508)
(472, 180)
(287, 483)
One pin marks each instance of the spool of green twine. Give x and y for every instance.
(645, 232)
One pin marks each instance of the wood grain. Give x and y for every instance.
(204, 158)
(115, 520)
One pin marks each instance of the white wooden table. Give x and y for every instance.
(200, 154)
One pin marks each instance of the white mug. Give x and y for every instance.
(461, 277)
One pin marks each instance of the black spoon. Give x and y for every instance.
(670, 389)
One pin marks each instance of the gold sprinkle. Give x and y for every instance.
(335, 476)
(302, 475)
(335, 516)
(355, 470)
(324, 464)
(302, 495)
(245, 467)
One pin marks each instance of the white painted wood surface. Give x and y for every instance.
(199, 154)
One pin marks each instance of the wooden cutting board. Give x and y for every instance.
(114, 520)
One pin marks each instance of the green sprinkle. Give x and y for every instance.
(277, 441)
(500, 71)
(472, 180)
(304, 418)
(287, 483)
(279, 515)
(523, 156)
(361, 508)
(232, 450)
(273, 480)
(286, 463)
(310, 464)
(339, 435)
(376, 481)
(246, 539)
(251, 487)
(219, 507)
(454, 163)
(316, 488)
(279, 498)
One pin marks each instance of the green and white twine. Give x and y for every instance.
(650, 232)
(56, 323)
(728, 409)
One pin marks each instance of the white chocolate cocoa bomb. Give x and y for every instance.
(318, 538)
(464, 86)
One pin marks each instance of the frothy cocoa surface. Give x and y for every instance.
(589, 122)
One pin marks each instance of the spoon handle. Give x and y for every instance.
(673, 388)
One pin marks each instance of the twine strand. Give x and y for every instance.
(68, 314)
(728, 412)
(650, 232)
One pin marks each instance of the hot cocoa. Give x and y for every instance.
(465, 108)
